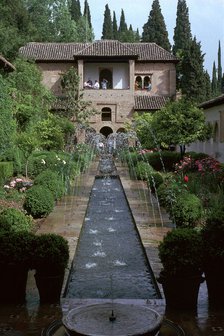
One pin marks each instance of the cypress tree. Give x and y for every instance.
(123, 28)
(107, 33)
(193, 79)
(219, 69)
(115, 28)
(123, 31)
(208, 86)
(75, 10)
(182, 31)
(155, 28)
(214, 81)
(86, 13)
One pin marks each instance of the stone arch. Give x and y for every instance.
(121, 130)
(106, 130)
(107, 74)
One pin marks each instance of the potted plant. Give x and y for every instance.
(15, 254)
(213, 261)
(181, 256)
(50, 259)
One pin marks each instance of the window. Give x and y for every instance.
(143, 82)
(106, 114)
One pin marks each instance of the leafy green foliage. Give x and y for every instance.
(154, 181)
(8, 126)
(6, 171)
(181, 252)
(39, 201)
(52, 181)
(179, 123)
(14, 220)
(50, 133)
(74, 105)
(187, 210)
(143, 171)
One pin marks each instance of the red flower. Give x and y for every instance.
(186, 178)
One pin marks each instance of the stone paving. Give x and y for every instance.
(66, 219)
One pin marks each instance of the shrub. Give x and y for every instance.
(143, 171)
(16, 248)
(154, 181)
(213, 235)
(52, 181)
(14, 220)
(39, 201)
(187, 210)
(181, 252)
(50, 254)
(6, 171)
(169, 190)
(163, 160)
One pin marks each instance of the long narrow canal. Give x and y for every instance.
(110, 261)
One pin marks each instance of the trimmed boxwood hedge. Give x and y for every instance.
(39, 201)
(14, 220)
(52, 181)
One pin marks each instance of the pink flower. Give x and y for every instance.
(186, 178)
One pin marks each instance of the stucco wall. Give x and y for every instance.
(214, 146)
(163, 77)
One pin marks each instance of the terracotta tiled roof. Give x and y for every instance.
(213, 102)
(107, 48)
(151, 52)
(150, 102)
(101, 48)
(51, 51)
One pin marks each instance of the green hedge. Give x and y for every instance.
(6, 171)
(14, 220)
(187, 210)
(52, 181)
(39, 201)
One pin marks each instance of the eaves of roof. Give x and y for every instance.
(213, 102)
(146, 103)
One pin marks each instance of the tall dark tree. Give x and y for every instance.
(75, 10)
(214, 81)
(155, 28)
(107, 33)
(115, 27)
(14, 26)
(219, 70)
(87, 14)
(182, 31)
(123, 25)
(208, 86)
(40, 12)
(193, 79)
(123, 28)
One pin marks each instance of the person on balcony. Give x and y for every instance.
(88, 84)
(104, 84)
(96, 85)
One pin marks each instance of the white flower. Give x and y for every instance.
(43, 161)
(64, 162)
